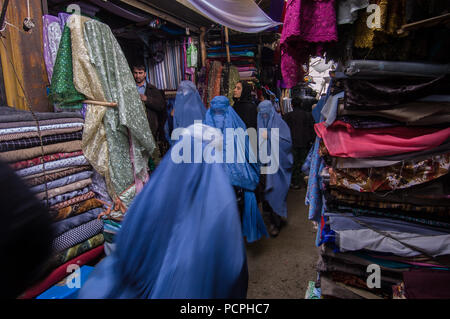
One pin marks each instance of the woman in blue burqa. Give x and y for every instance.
(181, 237)
(275, 184)
(243, 170)
(187, 109)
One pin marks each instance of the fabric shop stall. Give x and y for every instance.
(378, 185)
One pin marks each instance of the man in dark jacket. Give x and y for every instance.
(301, 123)
(153, 99)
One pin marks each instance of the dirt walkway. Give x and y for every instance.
(280, 268)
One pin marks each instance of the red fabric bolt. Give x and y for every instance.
(342, 140)
(61, 272)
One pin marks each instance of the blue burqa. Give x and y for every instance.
(244, 174)
(181, 238)
(188, 108)
(277, 184)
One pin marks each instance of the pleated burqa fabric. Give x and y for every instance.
(127, 123)
(277, 184)
(86, 81)
(178, 240)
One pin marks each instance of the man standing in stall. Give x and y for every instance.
(155, 106)
(154, 102)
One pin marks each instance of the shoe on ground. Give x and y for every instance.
(273, 231)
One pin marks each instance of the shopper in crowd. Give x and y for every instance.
(244, 105)
(244, 174)
(275, 185)
(301, 124)
(26, 236)
(181, 238)
(187, 109)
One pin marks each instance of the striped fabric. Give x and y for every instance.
(35, 141)
(170, 72)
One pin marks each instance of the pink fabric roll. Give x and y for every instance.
(342, 140)
(246, 74)
(307, 24)
(246, 68)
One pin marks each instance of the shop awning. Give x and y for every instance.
(240, 15)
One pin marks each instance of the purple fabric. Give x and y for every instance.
(307, 25)
(51, 32)
(63, 19)
(246, 68)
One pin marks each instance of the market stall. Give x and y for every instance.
(378, 175)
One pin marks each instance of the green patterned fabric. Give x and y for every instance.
(126, 122)
(75, 251)
(62, 89)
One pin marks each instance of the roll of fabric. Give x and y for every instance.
(29, 153)
(44, 159)
(61, 272)
(26, 129)
(67, 224)
(9, 114)
(75, 209)
(5, 125)
(388, 93)
(65, 197)
(77, 235)
(343, 141)
(64, 189)
(402, 175)
(77, 250)
(35, 141)
(425, 219)
(63, 163)
(378, 202)
(49, 177)
(18, 136)
(246, 74)
(62, 181)
(384, 69)
(389, 236)
(73, 200)
(413, 113)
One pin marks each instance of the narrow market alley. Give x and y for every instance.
(281, 267)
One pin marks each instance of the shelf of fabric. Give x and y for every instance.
(52, 164)
(383, 157)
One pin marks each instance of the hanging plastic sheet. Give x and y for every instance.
(240, 15)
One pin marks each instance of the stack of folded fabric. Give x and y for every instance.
(379, 182)
(51, 162)
(242, 56)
